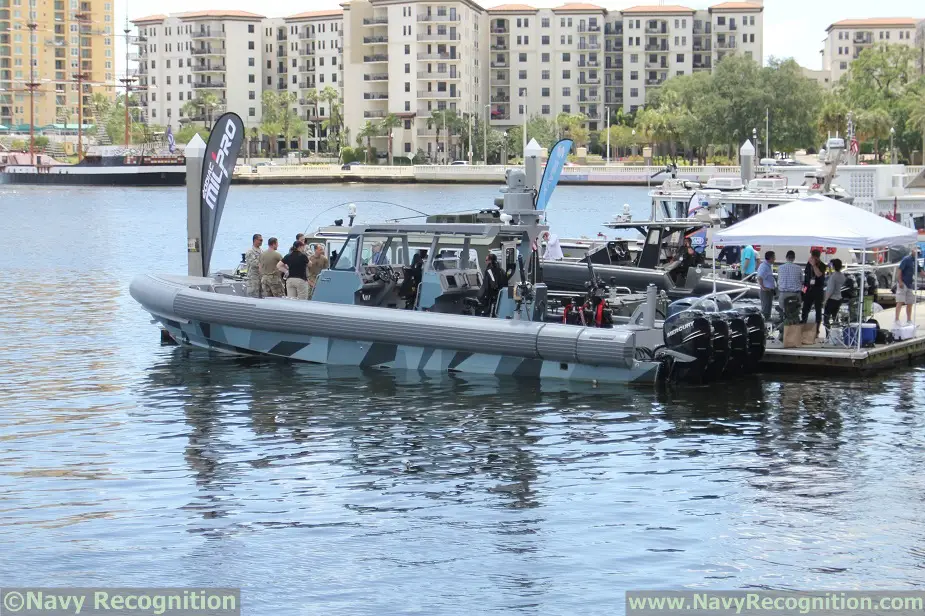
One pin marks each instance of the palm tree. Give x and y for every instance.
(337, 137)
(917, 119)
(437, 119)
(369, 130)
(389, 122)
(875, 124)
(833, 117)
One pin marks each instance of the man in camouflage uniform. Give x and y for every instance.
(271, 278)
(252, 260)
(316, 263)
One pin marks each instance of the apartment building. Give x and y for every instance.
(410, 59)
(846, 39)
(63, 38)
(546, 62)
(186, 56)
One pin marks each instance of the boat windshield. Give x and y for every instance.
(347, 255)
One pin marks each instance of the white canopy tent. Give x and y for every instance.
(818, 221)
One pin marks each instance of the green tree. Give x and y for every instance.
(337, 135)
(437, 120)
(833, 116)
(387, 126)
(915, 107)
(369, 130)
(874, 125)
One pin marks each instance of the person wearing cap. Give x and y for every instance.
(271, 276)
(905, 281)
(252, 259)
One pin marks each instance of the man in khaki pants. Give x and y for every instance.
(316, 263)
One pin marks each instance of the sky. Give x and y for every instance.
(792, 28)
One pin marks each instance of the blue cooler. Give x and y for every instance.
(868, 334)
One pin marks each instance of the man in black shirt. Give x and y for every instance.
(297, 263)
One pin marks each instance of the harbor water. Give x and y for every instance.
(343, 491)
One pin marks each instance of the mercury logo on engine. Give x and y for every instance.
(678, 330)
(213, 181)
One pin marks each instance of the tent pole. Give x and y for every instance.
(861, 298)
(714, 269)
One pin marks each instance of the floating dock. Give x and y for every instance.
(824, 357)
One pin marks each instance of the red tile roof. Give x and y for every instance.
(513, 8)
(149, 19)
(737, 6)
(667, 8)
(565, 8)
(885, 22)
(220, 14)
(317, 14)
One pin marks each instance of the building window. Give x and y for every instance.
(250, 30)
(544, 23)
(407, 147)
(634, 58)
(251, 112)
(522, 74)
(544, 92)
(720, 21)
(566, 91)
(544, 39)
(680, 73)
(566, 57)
(680, 57)
(545, 110)
(634, 75)
(251, 79)
(545, 57)
(634, 92)
(751, 38)
(566, 74)
(407, 124)
(544, 75)
(407, 50)
(566, 109)
(250, 45)
(744, 38)
(407, 105)
(407, 68)
(522, 57)
(251, 95)
(843, 66)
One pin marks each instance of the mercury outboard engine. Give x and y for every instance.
(757, 335)
(720, 343)
(689, 333)
(738, 342)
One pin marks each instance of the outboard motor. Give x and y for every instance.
(688, 333)
(756, 335)
(723, 302)
(680, 305)
(738, 342)
(720, 343)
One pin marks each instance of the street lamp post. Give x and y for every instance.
(607, 128)
(892, 157)
(32, 85)
(485, 133)
(757, 149)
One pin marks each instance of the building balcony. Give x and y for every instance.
(306, 68)
(589, 46)
(207, 34)
(375, 40)
(440, 95)
(438, 76)
(726, 45)
(376, 96)
(439, 56)
(589, 80)
(656, 65)
(867, 39)
(613, 29)
(654, 82)
(208, 52)
(438, 18)
(658, 31)
(589, 28)
(375, 21)
(499, 47)
(378, 113)
(704, 29)
(500, 113)
(657, 48)
(703, 47)
(209, 85)
(433, 36)
(209, 68)
(500, 64)
(499, 30)
(381, 57)
(589, 64)
(307, 85)
(376, 77)
(500, 97)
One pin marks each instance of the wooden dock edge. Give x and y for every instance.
(822, 359)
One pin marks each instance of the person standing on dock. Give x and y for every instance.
(905, 280)
(316, 264)
(252, 260)
(297, 262)
(814, 285)
(749, 261)
(789, 281)
(271, 279)
(833, 288)
(767, 285)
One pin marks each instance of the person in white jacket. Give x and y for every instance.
(553, 249)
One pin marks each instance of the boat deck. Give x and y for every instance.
(824, 357)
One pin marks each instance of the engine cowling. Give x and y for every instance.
(720, 346)
(689, 333)
(757, 335)
(738, 342)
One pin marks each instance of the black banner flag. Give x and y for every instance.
(217, 167)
